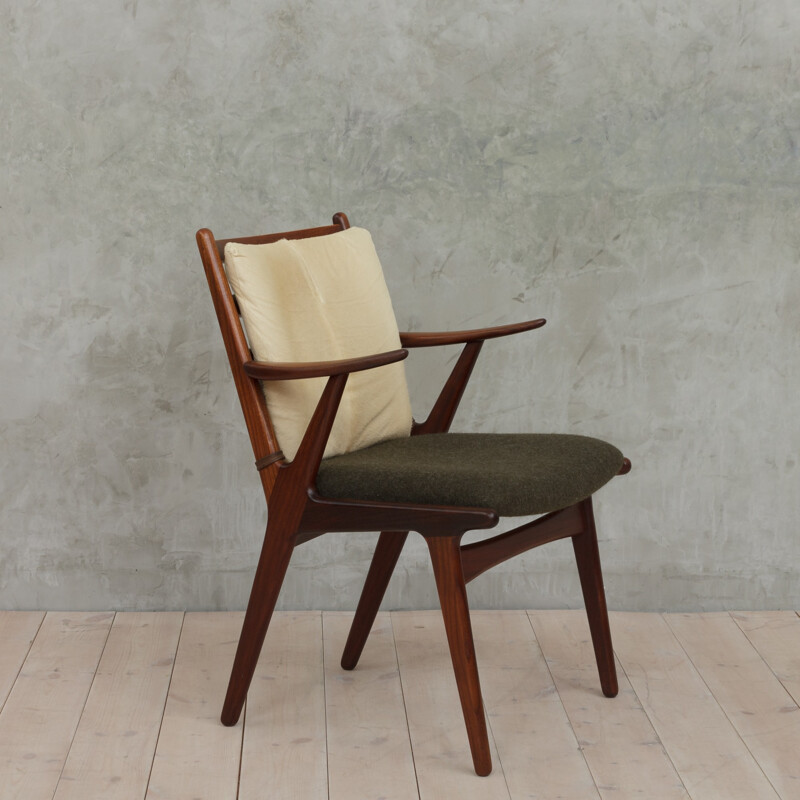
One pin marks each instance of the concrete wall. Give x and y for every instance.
(627, 169)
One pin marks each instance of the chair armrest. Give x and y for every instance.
(292, 370)
(303, 469)
(430, 339)
(444, 408)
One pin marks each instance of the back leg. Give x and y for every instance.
(587, 556)
(384, 560)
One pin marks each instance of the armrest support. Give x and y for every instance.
(299, 475)
(444, 409)
(431, 339)
(293, 370)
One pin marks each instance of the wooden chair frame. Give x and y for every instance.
(297, 513)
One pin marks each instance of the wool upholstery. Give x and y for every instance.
(322, 299)
(514, 474)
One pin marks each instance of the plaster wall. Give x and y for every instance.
(627, 169)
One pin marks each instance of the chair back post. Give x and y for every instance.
(251, 397)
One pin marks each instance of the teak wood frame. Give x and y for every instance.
(297, 513)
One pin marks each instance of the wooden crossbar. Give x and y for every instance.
(478, 557)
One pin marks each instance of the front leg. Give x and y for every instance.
(271, 570)
(446, 557)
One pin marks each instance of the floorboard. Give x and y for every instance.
(776, 636)
(709, 755)
(17, 632)
(112, 751)
(438, 736)
(369, 752)
(284, 756)
(126, 707)
(754, 700)
(197, 758)
(43, 709)
(624, 753)
(537, 748)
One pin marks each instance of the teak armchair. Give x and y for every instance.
(417, 489)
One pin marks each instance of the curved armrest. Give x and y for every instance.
(412, 339)
(292, 370)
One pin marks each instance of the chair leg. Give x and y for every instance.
(587, 556)
(272, 564)
(446, 557)
(384, 560)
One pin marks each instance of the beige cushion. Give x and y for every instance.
(322, 299)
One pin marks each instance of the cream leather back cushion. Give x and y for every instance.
(322, 299)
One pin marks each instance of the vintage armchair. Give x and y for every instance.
(369, 470)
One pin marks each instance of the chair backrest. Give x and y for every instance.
(295, 399)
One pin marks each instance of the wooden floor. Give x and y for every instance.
(98, 705)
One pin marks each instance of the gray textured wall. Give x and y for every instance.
(627, 169)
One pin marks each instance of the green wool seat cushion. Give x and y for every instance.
(516, 474)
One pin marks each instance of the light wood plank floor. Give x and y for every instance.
(101, 705)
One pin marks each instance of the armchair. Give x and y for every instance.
(417, 477)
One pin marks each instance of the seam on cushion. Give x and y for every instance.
(352, 427)
(353, 254)
(308, 273)
(380, 278)
(346, 403)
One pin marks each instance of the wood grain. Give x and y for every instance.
(776, 636)
(44, 707)
(758, 706)
(17, 632)
(384, 559)
(298, 370)
(196, 757)
(113, 748)
(437, 338)
(708, 754)
(438, 738)
(284, 754)
(623, 752)
(538, 751)
(369, 752)
(84, 707)
(446, 560)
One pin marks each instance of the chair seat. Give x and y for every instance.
(515, 474)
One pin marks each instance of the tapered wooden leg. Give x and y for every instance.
(587, 556)
(384, 560)
(446, 557)
(272, 564)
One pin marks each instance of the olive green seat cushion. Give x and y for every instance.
(516, 474)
